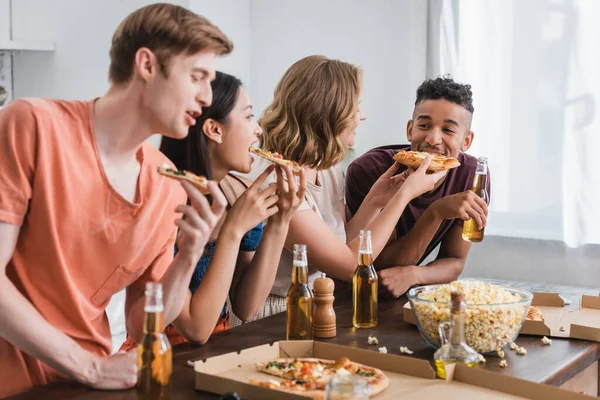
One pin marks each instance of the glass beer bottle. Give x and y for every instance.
(364, 286)
(155, 358)
(299, 300)
(470, 232)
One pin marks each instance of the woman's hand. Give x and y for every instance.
(418, 182)
(253, 206)
(386, 186)
(290, 195)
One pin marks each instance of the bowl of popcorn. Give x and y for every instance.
(493, 315)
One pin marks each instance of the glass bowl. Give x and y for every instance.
(488, 327)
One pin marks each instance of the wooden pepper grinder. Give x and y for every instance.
(324, 317)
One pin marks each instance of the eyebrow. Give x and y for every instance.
(448, 120)
(248, 107)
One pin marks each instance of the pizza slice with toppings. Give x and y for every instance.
(276, 158)
(199, 181)
(413, 159)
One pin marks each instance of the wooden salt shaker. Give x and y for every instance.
(324, 317)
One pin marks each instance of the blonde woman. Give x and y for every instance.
(313, 120)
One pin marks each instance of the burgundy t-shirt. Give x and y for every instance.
(365, 170)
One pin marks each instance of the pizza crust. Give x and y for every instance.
(273, 157)
(413, 159)
(199, 181)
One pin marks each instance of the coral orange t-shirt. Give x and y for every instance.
(80, 242)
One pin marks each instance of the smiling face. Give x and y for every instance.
(172, 101)
(440, 126)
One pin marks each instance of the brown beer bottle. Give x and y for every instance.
(155, 358)
(364, 286)
(299, 300)
(470, 231)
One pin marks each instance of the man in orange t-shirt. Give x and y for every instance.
(84, 214)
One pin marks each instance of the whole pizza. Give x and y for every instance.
(413, 159)
(309, 376)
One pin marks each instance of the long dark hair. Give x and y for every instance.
(191, 153)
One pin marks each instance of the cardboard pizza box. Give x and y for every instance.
(410, 378)
(575, 323)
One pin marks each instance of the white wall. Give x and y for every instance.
(385, 37)
(233, 18)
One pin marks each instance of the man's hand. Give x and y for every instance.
(115, 372)
(199, 220)
(397, 280)
(465, 205)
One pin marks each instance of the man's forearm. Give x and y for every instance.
(409, 249)
(24, 327)
(175, 285)
(443, 270)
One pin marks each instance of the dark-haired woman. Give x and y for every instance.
(241, 259)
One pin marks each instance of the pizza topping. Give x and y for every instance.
(365, 373)
(343, 372)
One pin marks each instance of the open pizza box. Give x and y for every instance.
(410, 378)
(575, 323)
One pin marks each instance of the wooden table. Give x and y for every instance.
(569, 363)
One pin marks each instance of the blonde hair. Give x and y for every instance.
(315, 101)
(167, 30)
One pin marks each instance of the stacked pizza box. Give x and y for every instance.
(405, 377)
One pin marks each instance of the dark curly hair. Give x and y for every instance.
(444, 87)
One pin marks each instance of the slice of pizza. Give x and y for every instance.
(413, 159)
(199, 181)
(534, 314)
(276, 158)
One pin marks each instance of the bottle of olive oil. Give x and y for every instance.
(364, 286)
(155, 358)
(454, 349)
(470, 231)
(299, 300)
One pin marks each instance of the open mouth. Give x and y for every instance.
(191, 117)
